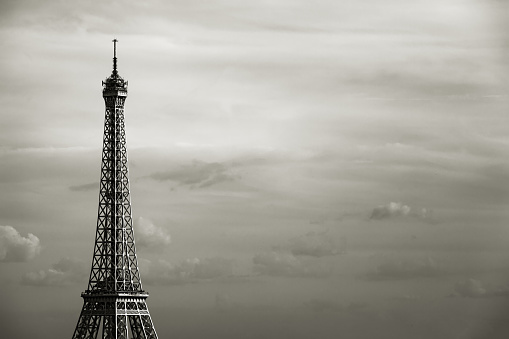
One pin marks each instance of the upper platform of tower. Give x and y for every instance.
(114, 85)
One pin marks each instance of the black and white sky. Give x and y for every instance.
(299, 169)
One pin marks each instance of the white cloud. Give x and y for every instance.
(149, 235)
(189, 270)
(16, 248)
(286, 264)
(66, 271)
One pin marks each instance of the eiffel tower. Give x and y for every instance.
(114, 304)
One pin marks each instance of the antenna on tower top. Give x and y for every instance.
(115, 56)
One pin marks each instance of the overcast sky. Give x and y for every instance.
(298, 168)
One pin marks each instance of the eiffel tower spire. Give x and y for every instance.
(114, 304)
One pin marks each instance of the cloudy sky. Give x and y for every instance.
(298, 168)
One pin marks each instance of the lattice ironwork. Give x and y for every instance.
(114, 303)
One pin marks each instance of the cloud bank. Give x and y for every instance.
(278, 263)
(313, 244)
(473, 288)
(16, 248)
(470, 288)
(189, 270)
(398, 269)
(64, 272)
(327, 305)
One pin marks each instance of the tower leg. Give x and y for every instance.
(142, 327)
(108, 327)
(140, 321)
(88, 323)
(148, 327)
(122, 326)
(136, 328)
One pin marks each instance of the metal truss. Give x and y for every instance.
(113, 315)
(114, 301)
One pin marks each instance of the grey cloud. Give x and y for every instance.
(299, 257)
(187, 271)
(324, 305)
(56, 15)
(327, 305)
(208, 268)
(64, 272)
(484, 185)
(198, 174)
(409, 269)
(411, 85)
(149, 235)
(473, 288)
(16, 248)
(313, 244)
(85, 187)
(278, 263)
(470, 288)
(407, 297)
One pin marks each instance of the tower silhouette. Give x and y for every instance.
(114, 301)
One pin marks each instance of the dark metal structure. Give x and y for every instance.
(114, 304)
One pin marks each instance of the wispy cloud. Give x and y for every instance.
(85, 187)
(198, 174)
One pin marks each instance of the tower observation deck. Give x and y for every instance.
(114, 304)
